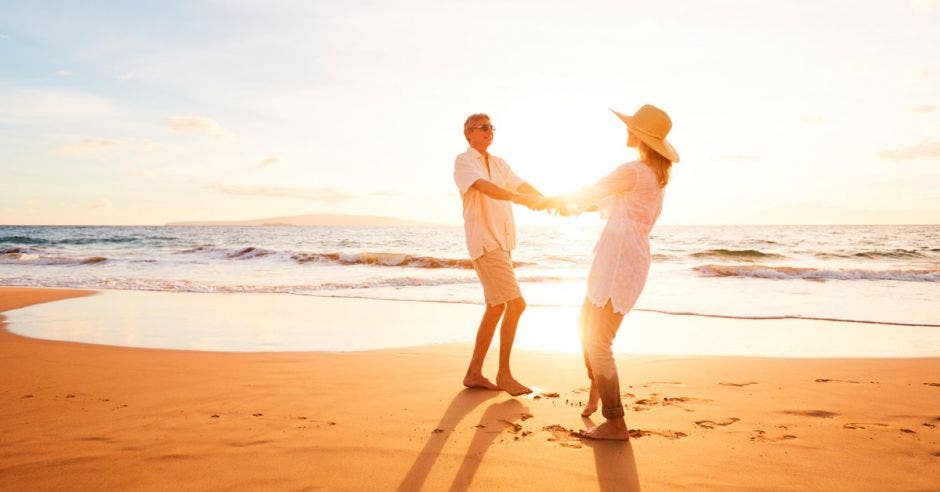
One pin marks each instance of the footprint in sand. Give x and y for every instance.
(823, 414)
(512, 426)
(862, 425)
(835, 381)
(710, 424)
(545, 395)
(761, 436)
(678, 383)
(931, 384)
(638, 433)
(676, 401)
(566, 438)
(738, 384)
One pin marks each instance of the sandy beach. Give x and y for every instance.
(82, 416)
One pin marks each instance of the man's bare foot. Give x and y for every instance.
(511, 386)
(612, 429)
(593, 398)
(478, 381)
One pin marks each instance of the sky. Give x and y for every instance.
(805, 112)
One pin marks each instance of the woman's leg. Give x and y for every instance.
(584, 321)
(601, 331)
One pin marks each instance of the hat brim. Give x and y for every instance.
(661, 146)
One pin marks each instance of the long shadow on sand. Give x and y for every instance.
(614, 462)
(492, 424)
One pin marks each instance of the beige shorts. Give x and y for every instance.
(494, 269)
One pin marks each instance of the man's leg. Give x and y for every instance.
(507, 335)
(474, 377)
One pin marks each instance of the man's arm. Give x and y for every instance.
(529, 190)
(496, 192)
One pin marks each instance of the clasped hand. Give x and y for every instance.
(554, 205)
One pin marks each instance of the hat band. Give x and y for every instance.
(648, 133)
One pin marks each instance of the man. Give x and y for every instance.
(488, 187)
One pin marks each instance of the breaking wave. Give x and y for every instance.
(736, 254)
(29, 256)
(340, 258)
(818, 274)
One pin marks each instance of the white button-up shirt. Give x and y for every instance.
(488, 223)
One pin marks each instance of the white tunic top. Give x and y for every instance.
(488, 223)
(622, 255)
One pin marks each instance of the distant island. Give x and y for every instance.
(310, 220)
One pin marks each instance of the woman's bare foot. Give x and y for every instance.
(593, 398)
(613, 429)
(511, 386)
(478, 381)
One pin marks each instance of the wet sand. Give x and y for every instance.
(81, 416)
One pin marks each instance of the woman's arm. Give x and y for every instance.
(621, 180)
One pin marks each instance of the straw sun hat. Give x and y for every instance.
(651, 125)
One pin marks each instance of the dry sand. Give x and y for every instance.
(79, 416)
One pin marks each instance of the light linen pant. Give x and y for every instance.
(598, 328)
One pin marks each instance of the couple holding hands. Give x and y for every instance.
(631, 195)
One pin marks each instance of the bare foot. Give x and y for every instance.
(593, 398)
(511, 386)
(612, 430)
(478, 381)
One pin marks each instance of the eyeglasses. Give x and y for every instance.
(486, 128)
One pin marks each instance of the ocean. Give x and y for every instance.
(862, 274)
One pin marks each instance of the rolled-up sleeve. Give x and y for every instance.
(466, 172)
(621, 180)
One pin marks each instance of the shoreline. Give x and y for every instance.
(81, 416)
(270, 323)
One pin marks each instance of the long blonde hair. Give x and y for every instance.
(659, 163)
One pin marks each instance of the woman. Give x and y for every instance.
(633, 194)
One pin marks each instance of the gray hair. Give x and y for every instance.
(472, 119)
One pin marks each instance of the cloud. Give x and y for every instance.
(96, 146)
(197, 124)
(101, 202)
(270, 161)
(925, 108)
(128, 76)
(63, 73)
(89, 146)
(925, 148)
(923, 7)
(145, 173)
(23, 106)
(313, 194)
(4, 36)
